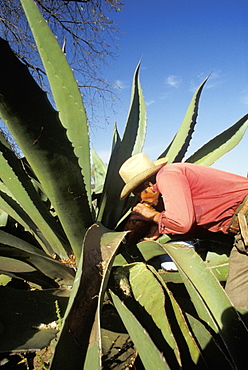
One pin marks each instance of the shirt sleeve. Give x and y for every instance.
(179, 215)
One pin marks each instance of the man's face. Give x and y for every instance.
(147, 195)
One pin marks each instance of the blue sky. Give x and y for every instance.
(180, 43)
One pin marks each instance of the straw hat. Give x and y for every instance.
(137, 169)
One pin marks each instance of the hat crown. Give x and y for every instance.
(134, 165)
(137, 169)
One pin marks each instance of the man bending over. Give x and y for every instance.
(193, 195)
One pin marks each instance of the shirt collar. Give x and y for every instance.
(155, 188)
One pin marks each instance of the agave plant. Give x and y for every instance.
(64, 236)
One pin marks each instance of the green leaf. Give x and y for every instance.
(64, 88)
(20, 186)
(22, 312)
(149, 354)
(220, 272)
(4, 279)
(14, 265)
(151, 249)
(36, 128)
(148, 250)
(112, 209)
(228, 323)
(117, 346)
(211, 351)
(34, 258)
(207, 318)
(99, 172)
(152, 298)
(116, 138)
(216, 259)
(202, 309)
(4, 141)
(3, 218)
(221, 144)
(135, 130)
(14, 210)
(192, 345)
(179, 145)
(119, 260)
(155, 299)
(109, 243)
(196, 272)
(81, 328)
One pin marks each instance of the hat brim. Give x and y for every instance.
(138, 179)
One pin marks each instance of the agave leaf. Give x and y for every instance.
(148, 352)
(135, 130)
(116, 143)
(3, 141)
(23, 312)
(17, 181)
(180, 143)
(119, 260)
(18, 269)
(220, 272)
(211, 352)
(14, 265)
(202, 310)
(3, 218)
(117, 346)
(218, 262)
(221, 144)
(152, 298)
(80, 334)
(39, 133)
(14, 210)
(192, 346)
(99, 172)
(4, 280)
(109, 244)
(13, 247)
(155, 302)
(64, 87)
(210, 324)
(111, 208)
(116, 138)
(193, 262)
(150, 249)
(230, 327)
(215, 257)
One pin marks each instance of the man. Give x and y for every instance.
(192, 195)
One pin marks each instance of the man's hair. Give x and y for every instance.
(142, 186)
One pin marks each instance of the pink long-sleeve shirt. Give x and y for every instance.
(198, 195)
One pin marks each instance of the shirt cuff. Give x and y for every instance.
(161, 226)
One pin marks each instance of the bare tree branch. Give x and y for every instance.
(83, 29)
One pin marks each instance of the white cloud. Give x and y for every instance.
(173, 81)
(118, 84)
(150, 102)
(215, 79)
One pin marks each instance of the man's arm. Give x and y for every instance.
(179, 215)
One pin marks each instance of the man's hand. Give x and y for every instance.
(142, 212)
(153, 233)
